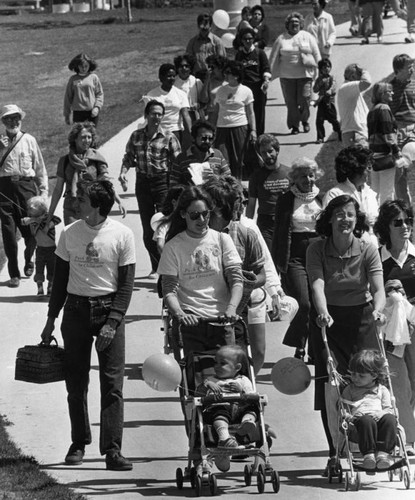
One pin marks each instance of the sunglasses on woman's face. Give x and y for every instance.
(196, 215)
(400, 222)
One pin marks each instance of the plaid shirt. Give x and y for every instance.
(248, 246)
(151, 156)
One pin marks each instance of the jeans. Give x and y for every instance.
(13, 207)
(151, 193)
(233, 143)
(82, 320)
(45, 259)
(265, 224)
(83, 116)
(376, 436)
(260, 102)
(297, 97)
(372, 19)
(326, 111)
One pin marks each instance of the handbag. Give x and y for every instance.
(308, 60)
(383, 163)
(40, 364)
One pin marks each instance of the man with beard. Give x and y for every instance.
(193, 167)
(266, 185)
(22, 176)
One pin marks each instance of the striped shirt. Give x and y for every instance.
(403, 102)
(382, 130)
(151, 156)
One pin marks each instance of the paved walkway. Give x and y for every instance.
(154, 435)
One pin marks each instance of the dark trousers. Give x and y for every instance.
(295, 284)
(150, 193)
(297, 97)
(82, 321)
(376, 436)
(266, 226)
(84, 116)
(326, 111)
(233, 144)
(45, 259)
(13, 207)
(260, 101)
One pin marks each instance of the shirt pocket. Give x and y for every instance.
(25, 164)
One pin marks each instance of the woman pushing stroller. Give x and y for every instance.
(369, 409)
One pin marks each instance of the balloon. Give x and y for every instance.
(227, 39)
(290, 376)
(289, 308)
(221, 19)
(162, 372)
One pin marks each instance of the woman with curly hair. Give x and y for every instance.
(293, 59)
(84, 96)
(346, 279)
(83, 162)
(394, 228)
(352, 166)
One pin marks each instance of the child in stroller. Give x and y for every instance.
(369, 409)
(229, 361)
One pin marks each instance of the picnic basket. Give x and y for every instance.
(40, 364)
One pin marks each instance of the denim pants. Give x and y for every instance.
(297, 97)
(151, 193)
(376, 436)
(13, 207)
(45, 259)
(82, 320)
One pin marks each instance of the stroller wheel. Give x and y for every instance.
(179, 478)
(260, 481)
(213, 485)
(406, 479)
(275, 479)
(247, 475)
(400, 474)
(198, 485)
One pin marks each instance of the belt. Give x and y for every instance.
(16, 178)
(90, 300)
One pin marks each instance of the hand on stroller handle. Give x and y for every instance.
(190, 319)
(325, 320)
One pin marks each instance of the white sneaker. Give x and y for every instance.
(369, 461)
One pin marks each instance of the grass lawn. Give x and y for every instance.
(36, 49)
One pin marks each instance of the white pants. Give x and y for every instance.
(383, 182)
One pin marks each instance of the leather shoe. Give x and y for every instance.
(115, 461)
(75, 455)
(28, 269)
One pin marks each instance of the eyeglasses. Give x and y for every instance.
(207, 138)
(400, 222)
(196, 215)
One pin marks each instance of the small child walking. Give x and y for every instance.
(325, 87)
(230, 360)
(44, 234)
(84, 96)
(370, 409)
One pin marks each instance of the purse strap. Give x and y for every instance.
(10, 149)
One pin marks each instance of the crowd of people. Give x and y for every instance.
(204, 133)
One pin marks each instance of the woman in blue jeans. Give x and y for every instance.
(295, 219)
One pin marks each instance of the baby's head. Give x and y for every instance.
(37, 206)
(367, 367)
(229, 361)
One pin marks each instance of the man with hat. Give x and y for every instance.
(22, 175)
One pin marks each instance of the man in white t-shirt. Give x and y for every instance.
(93, 282)
(352, 106)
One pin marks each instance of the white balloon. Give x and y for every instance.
(221, 19)
(227, 39)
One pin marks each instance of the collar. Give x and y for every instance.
(354, 250)
(194, 151)
(251, 49)
(385, 254)
(158, 132)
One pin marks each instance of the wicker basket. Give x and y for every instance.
(40, 364)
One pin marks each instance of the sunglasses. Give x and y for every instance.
(247, 39)
(196, 215)
(400, 222)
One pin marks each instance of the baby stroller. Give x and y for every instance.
(202, 443)
(342, 432)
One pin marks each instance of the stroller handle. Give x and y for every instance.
(230, 398)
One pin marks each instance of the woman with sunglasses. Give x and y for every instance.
(346, 280)
(394, 229)
(256, 74)
(201, 274)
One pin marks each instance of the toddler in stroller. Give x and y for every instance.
(229, 361)
(369, 409)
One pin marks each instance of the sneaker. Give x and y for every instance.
(230, 443)
(295, 131)
(319, 141)
(28, 269)
(380, 39)
(153, 275)
(383, 460)
(306, 127)
(223, 463)
(365, 41)
(332, 465)
(75, 455)
(13, 282)
(410, 451)
(115, 461)
(40, 291)
(299, 354)
(248, 431)
(369, 461)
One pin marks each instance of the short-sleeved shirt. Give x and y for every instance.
(352, 108)
(94, 255)
(266, 186)
(199, 264)
(173, 102)
(232, 102)
(346, 278)
(403, 271)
